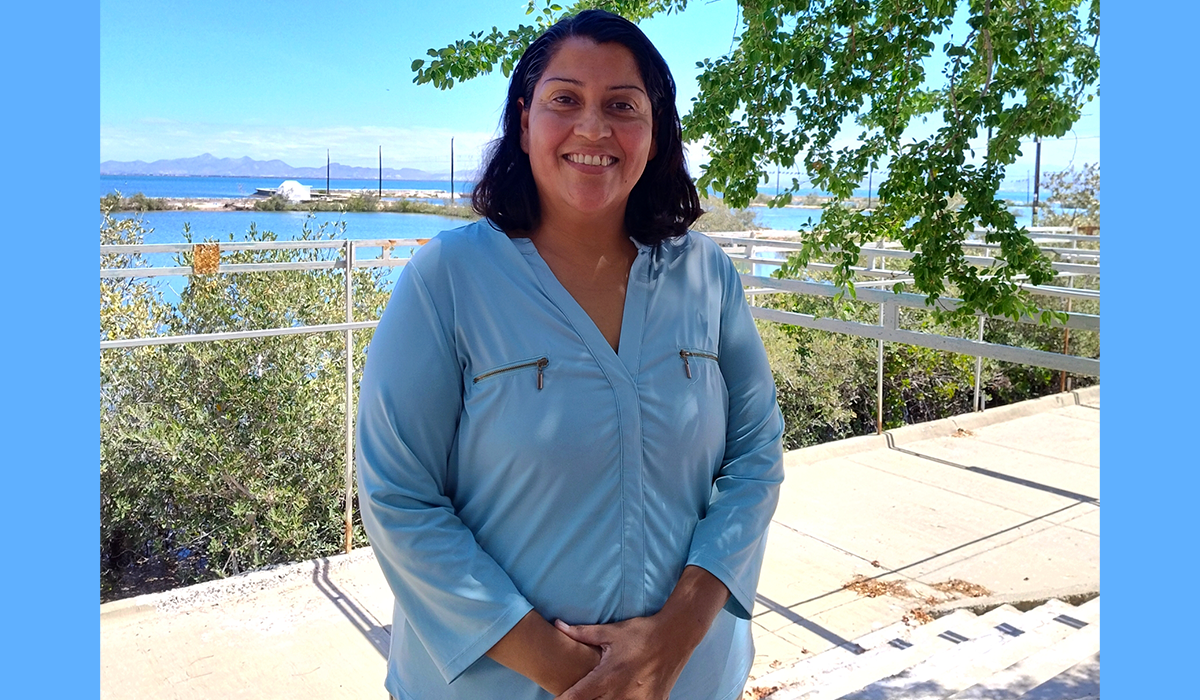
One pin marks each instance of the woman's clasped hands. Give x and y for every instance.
(639, 660)
(642, 657)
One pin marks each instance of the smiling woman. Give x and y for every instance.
(569, 447)
(588, 130)
(663, 201)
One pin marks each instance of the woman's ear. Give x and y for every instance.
(524, 125)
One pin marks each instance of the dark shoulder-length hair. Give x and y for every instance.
(662, 204)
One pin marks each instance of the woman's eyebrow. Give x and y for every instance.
(572, 81)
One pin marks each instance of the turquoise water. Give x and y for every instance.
(168, 226)
(237, 187)
(287, 225)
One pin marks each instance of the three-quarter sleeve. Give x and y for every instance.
(457, 599)
(730, 540)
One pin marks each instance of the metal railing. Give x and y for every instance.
(349, 261)
(742, 246)
(739, 246)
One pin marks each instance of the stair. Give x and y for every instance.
(1051, 652)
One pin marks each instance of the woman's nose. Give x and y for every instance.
(592, 124)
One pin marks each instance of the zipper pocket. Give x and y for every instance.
(685, 354)
(541, 364)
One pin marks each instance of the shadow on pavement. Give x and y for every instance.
(379, 636)
(1082, 498)
(822, 632)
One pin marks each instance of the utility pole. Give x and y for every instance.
(326, 172)
(1037, 178)
(870, 179)
(381, 172)
(452, 171)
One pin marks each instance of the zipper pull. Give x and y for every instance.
(687, 369)
(541, 365)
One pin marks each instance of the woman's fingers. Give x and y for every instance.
(590, 687)
(595, 635)
(636, 662)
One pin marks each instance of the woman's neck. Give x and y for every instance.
(591, 257)
(585, 239)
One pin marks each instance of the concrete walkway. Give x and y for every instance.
(1002, 505)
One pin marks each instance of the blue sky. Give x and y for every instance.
(289, 80)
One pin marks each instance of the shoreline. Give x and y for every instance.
(319, 202)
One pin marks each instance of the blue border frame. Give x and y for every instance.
(1149, 468)
(50, 590)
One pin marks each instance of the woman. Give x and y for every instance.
(568, 442)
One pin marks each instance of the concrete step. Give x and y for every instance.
(896, 646)
(918, 679)
(835, 657)
(868, 671)
(895, 636)
(1006, 643)
(1020, 647)
(1043, 666)
(1080, 682)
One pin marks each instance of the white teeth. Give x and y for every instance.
(590, 160)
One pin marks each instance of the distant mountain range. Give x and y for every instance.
(211, 166)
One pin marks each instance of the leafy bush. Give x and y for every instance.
(113, 201)
(826, 382)
(362, 201)
(411, 206)
(273, 203)
(224, 456)
(718, 217)
(1073, 197)
(366, 202)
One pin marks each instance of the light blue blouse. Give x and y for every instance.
(508, 459)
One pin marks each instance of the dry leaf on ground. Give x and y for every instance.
(873, 587)
(759, 693)
(917, 616)
(962, 588)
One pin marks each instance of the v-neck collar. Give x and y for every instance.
(628, 353)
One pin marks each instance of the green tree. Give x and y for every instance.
(805, 73)
(224, 456)
(719, 217)
(1073, 197)
(826, 381)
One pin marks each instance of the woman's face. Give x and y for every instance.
(588, 129)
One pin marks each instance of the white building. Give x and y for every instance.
(293, 191)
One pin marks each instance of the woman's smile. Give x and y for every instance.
(590, 161)
(588, 130)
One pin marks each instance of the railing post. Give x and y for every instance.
(879, 383)
(888, 318)
(978, 405)
(1062, 376)
(349, 255)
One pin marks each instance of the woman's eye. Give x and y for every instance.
(562, 100)
(623, 106)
